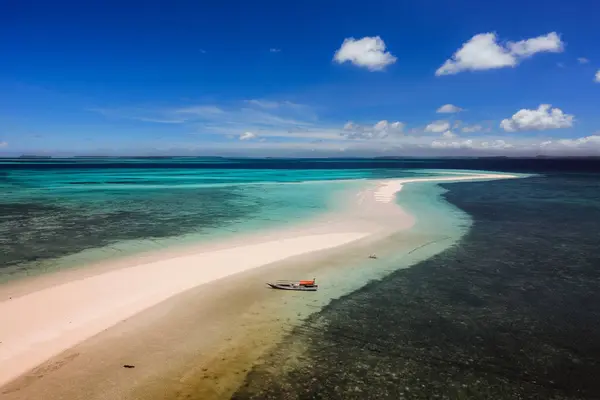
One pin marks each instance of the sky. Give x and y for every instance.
(309, 78)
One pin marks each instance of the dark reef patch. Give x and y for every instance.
(510, 312)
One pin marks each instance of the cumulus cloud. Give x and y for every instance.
(583, 60)
(247, 136)
(543, 118)
(483, 52)
(448, 109)
(438, 126)
(274, 50)
(380, 130)
(545, 43)
(597, 77)
(449, 135)
(368, 52)
(3, 144)
(389, 126)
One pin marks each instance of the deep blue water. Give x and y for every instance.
(512, 311)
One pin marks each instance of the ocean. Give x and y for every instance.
(509, 311)
(501, 302)
(57, 214)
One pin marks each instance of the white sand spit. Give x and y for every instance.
(41, 324)
(386, 191)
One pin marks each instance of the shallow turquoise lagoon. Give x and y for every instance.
(54, 217)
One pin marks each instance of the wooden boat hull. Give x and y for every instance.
(293, 287)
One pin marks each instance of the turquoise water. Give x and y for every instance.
(56, 215)
(72, 212)
(438, 226)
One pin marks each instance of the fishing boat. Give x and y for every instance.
(310, 286)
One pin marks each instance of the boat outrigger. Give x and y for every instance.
(310, 286)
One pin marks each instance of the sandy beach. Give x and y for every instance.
(57, 329)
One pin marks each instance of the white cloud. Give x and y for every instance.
(471, 144)
(545, 43)
(483, 52)
(597, 77)
(388, 126)
(587, 145)
(496, 144)
(348, 126)
(591, 141)
(380, 130)
(583, 60)
(3, 144)
(438, 126)
(584, 141)
(472, 128)
(293, 125)
(274, 50)
(444, 144)
(425, 145)
(380, 126)
(368, 52)
(543, 118)
(247, 136)
(448, 109)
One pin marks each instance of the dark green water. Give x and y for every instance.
(510, 312)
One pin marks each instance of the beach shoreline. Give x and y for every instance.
(29, 342)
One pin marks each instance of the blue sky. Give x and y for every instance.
(300, 78)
